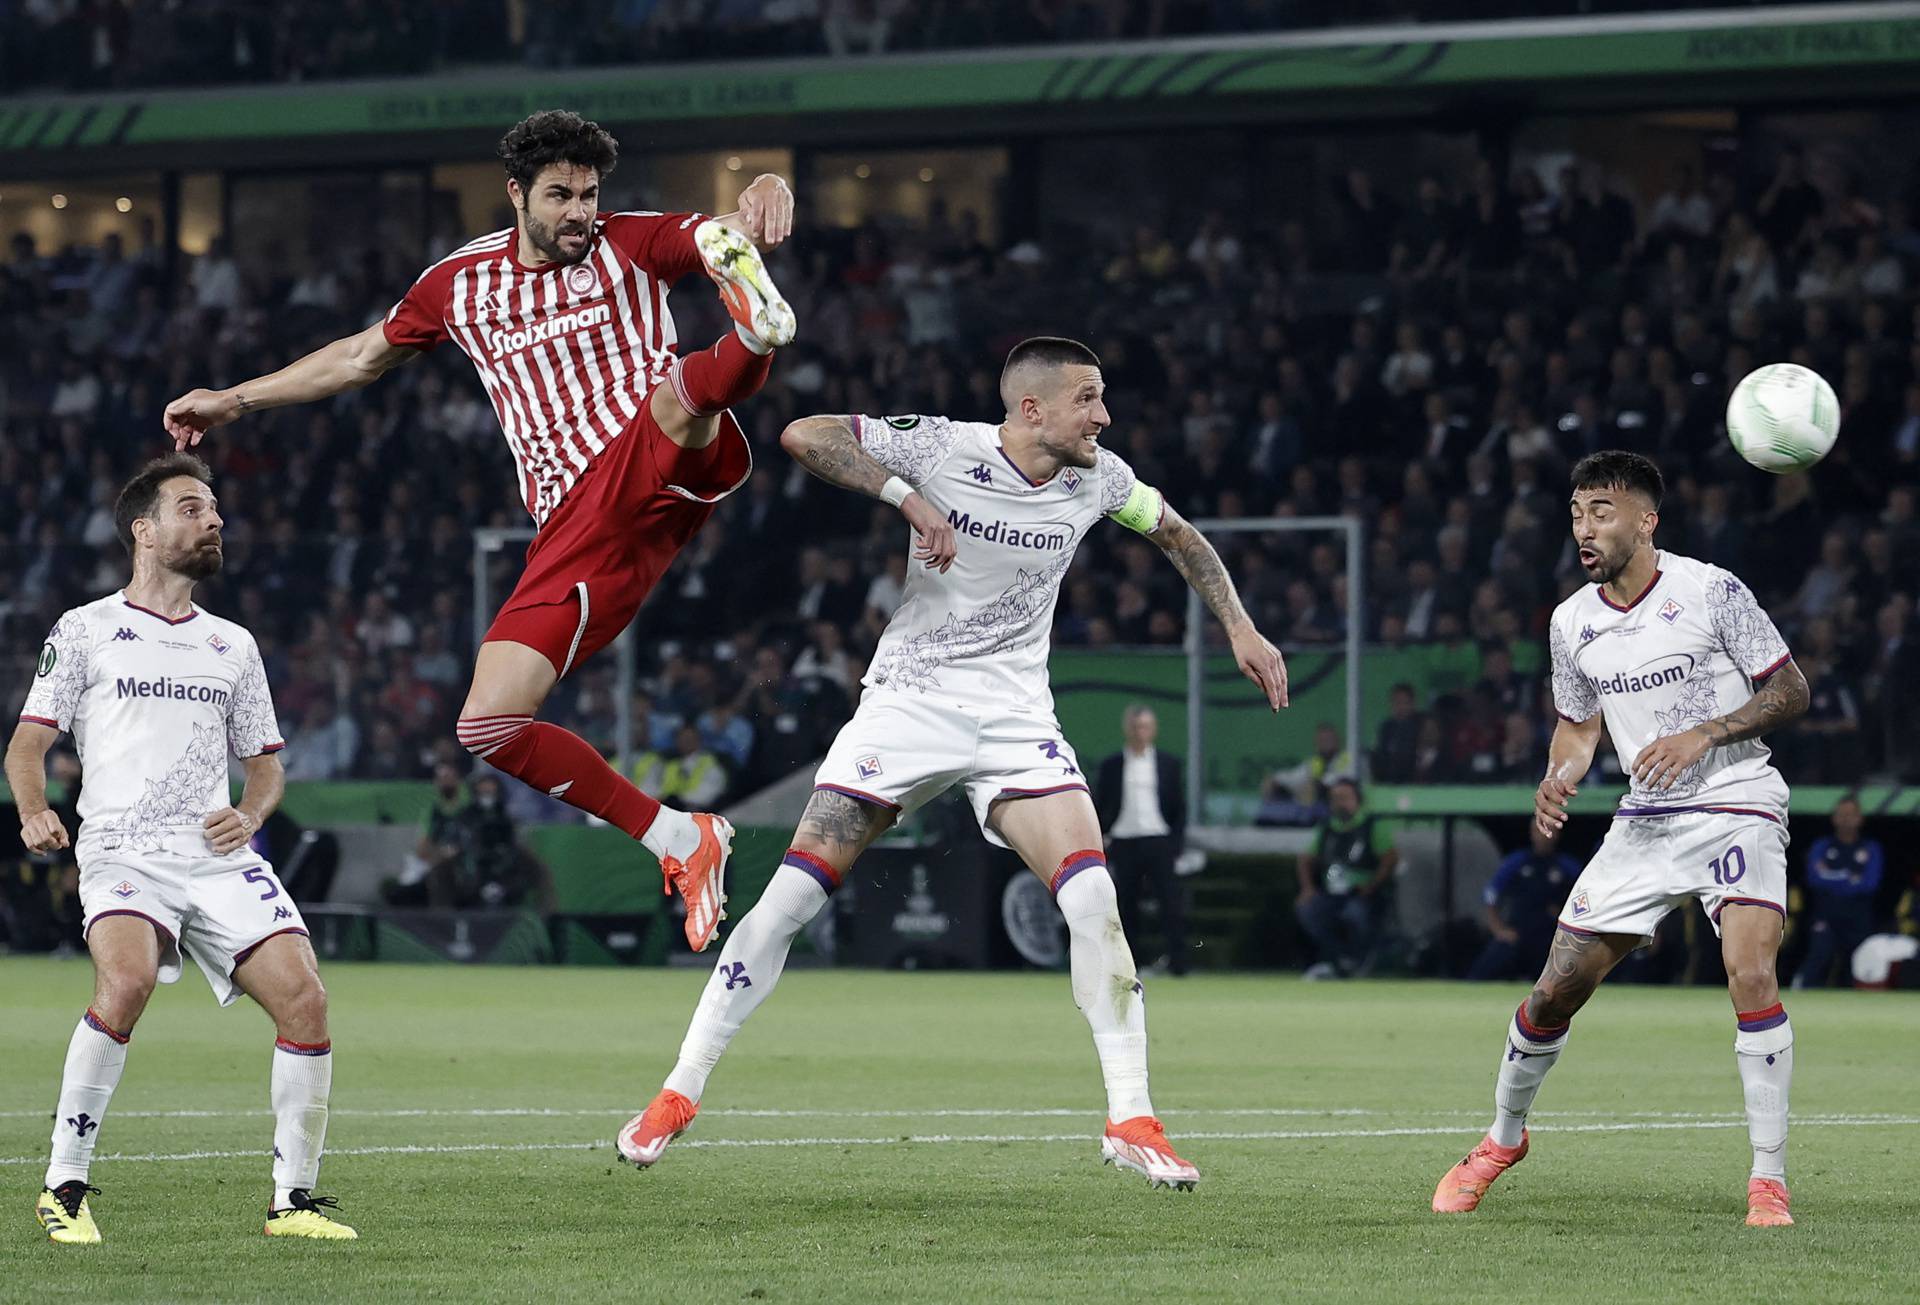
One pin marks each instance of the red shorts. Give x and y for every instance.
(614, 535)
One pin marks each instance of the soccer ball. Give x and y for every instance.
(1783, 418)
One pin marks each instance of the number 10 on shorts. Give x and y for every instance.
(1730, 868)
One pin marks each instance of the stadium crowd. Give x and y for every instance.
(1501, 328)
(87, 44)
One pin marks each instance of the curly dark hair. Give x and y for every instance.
(142, 493)
(556, 136)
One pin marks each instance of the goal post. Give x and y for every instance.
(1199, 619)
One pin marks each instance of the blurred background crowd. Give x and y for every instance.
(1425, 350)
(78, 44)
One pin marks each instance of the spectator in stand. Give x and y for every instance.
(1844, 871)
(1523, 901)
(1139, 797)
(1343, 883)
(693, 778)
(1397, 746)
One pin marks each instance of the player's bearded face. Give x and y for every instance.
(557, 212)
(1073, 416)
(1608, 529)
(187, 533)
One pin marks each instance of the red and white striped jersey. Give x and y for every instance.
(567, 352)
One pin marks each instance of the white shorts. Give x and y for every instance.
(901, 750)
(1648, 865)
(217, 909)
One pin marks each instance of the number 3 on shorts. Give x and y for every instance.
(261, 875)
(1731, 868)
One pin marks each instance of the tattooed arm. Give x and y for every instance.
(1200, 566)
(1780, 700)
(828, 448)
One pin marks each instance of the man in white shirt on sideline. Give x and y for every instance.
(1143, 815)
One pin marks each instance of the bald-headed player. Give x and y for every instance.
(1686, 673)
(957, 694)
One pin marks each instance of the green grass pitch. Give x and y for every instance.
(933, 1137)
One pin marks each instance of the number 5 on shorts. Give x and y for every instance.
(261, 875)
(1731, 868)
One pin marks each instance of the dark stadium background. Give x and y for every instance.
(1404, 274)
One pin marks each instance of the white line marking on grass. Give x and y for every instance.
(939, 1139)
(1264, 1112)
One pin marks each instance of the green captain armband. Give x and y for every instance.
(1144, 509)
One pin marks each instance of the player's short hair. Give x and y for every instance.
(556, 136)
(1046, 351)
(1618, 469)
(140, 495)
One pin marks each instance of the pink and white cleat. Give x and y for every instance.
(701, 879)
(1460, 1191)
(1767, 1203)
(644, 1139)
(1140, 1144)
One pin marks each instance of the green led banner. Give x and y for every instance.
(1165, 73)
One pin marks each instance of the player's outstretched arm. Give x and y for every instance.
(1569, 757)
(1780, 700)
(827, 447)
(765, 211)
(40, 828)
(229, 828)
(1200, 566)
(346, 364)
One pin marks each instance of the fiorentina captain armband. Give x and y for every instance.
(1143, 510)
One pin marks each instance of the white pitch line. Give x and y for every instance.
(942, 1139)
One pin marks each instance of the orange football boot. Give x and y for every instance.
(701, 879)
(644, 1139)
(1460, 1191)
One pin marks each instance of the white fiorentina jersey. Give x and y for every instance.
(154, 706)
(978, 636)
(1689, 648)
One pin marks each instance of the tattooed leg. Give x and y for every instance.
(833, 832)
(1537, 1034)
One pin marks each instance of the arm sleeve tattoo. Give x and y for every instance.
(1200, 566)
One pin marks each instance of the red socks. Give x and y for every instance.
(715, 379)
(559, 764)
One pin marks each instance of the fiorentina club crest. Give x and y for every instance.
(581, 279)
(1670, 611)
(123, 890)
(1071, 480)
(868, 767)
(1580, 904)
(218, 644)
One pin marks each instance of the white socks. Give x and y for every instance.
(672, 834)
(1106, 987)
(750, 964)
(302, 1081)
(1764, 1049)
(96, 1055)
(1524, 1061)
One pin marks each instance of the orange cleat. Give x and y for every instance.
(1767, 1203)
(1460, 1191)
(701, 879)
(1140, 1144)
(751, 298)
(646, 1135)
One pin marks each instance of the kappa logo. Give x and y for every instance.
(1588, 634)
(123, 890)
(1581, 906)
(1053, 754)
(868, 767)
(124, 633)
(1670, 611)
(282, 913)
(218, 644)
(982, 473)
